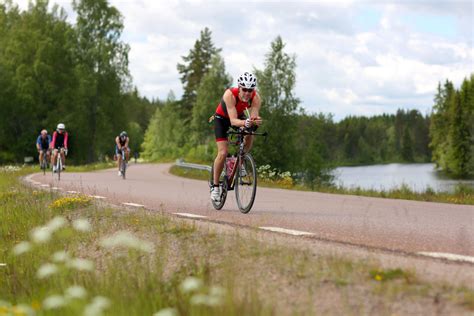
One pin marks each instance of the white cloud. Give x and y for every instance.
(345, 65)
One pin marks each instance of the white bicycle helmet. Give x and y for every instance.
(247, 80)
(61, 126)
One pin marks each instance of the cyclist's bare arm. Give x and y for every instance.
(255, 109)
(230, 102)
(118, 142)
(126, 143)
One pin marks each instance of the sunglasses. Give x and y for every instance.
(247, 90)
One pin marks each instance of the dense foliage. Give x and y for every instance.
(452, 128)
(52, 72)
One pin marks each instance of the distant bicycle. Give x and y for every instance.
(44, 162)
(123, 163)
(239, 173)
(59, 163)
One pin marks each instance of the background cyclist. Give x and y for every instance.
(230, 112)
(42, 145)
(59, 143)
(121, 143)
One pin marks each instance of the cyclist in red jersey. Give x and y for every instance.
(230, 112)
(59, 145)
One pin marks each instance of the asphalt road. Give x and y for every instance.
(399, 225)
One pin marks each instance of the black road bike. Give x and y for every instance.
(59, 163)
(123, 163)
(241, 175)
(44, 162)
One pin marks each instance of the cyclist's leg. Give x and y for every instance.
(119, 157)
(222, 150)
(48, 155)
(127, 154)
(41, 153)
(55, 155)
(63, 157)
(221, 127)
(248, 143)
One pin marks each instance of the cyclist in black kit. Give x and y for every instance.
(121, 143)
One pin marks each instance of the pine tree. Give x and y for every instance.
(196, 65)
(211, 89)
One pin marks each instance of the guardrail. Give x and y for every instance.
(181, 163)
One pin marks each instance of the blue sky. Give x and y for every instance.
(353, 57)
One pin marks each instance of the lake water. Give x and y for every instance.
(418, 177)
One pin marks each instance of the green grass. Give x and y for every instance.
(238, 273)
(463, 194)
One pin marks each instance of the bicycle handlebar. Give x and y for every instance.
(245, 131)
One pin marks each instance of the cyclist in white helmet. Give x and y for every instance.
(231, 111)
(59, 144)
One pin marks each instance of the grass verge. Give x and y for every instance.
(462, 195)
(64, 255)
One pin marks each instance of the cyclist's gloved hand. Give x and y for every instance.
(248, 123)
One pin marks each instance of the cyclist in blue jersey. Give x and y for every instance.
(42, 145)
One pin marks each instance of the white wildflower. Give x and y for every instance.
(217, 291)
(191, 284)
(98, 305)
(80, 264)
(167, 312)
(41, 234)
(5, 304)
(202, 299)
(46, 270)
(60, 256)
(126, 240)
(23, 309)
(56, 223)
(54, 301)
(21, 248)
(81, 225)
(75, 291)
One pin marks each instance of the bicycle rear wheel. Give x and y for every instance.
(246, 184)
(223, 186)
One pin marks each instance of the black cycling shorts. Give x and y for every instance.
(221, 127)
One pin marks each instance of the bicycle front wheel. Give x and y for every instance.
(223, 185)
(123, 168)
(246, 185)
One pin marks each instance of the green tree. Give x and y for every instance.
(196, 64)
(36, 63)
(102, 66)
(211, 89)
(407, 146)
(165, 137)
(459, 136)
(279, 104)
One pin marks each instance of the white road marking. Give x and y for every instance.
(72, 192)
(97, 196)
(55, 188)
(45, 185)
(190, 215)
(133, 204)
(287, 231)
(448, 256)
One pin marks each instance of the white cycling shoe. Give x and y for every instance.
(216, 194)
(119, 173)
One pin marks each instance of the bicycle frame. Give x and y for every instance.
(240, 154)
